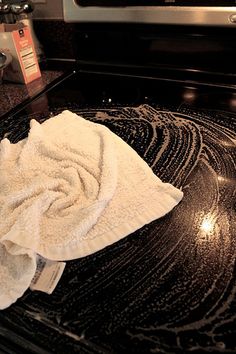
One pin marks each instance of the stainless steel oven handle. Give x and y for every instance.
(199, 16)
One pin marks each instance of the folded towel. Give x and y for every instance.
(68, 190)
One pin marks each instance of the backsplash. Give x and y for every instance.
(56, 37)
(53, 33)
(51, 9)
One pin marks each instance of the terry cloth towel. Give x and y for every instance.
(69, 189)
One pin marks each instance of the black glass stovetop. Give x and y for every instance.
(169, 287)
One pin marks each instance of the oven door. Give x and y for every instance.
(181, 12)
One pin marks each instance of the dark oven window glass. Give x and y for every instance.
(123, 3)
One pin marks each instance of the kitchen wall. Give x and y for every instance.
(54, 34)
(48, 9)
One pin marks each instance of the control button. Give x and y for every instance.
(232, 18)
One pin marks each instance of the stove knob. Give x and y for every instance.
(232, 18)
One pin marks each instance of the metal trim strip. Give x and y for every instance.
(208, 16)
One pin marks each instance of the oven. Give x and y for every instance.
(169, 91)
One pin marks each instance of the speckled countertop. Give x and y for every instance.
(12, 94)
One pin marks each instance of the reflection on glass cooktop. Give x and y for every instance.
(169, 287)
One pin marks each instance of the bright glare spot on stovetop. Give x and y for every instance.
(208, 224)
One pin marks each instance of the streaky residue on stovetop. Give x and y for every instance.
(170, 286)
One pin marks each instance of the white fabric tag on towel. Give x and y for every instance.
(47, 275)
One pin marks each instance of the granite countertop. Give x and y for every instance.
(12, 94)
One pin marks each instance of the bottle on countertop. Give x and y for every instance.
(12, 11)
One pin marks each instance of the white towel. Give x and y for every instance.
(68, 190)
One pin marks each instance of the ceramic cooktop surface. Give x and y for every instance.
(169, 287)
